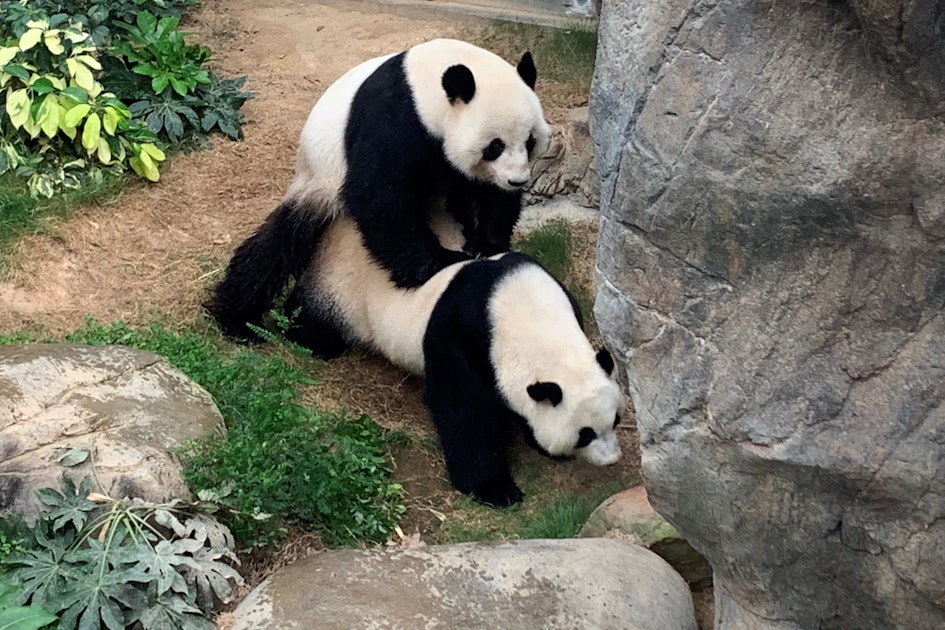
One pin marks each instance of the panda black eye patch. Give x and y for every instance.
(585, 437)
(530, 144)
(494, 150)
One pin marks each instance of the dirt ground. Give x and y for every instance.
(154, 252)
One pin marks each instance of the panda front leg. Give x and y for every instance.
(468, 418)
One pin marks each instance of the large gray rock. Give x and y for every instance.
(125, 408)
(523, 585)
(772, 277)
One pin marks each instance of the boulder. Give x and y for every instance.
(522, 585)
(771, 273)
(629, 516)
(73, 408)
(567, 168)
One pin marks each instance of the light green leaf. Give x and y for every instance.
(74, 456)
(30, 38)
(76, 94)
(83, 78)
(50, 122)
(153, 151)
(24, 618)
(53, 43)
(91, 132)
(75, 115)
(18, 107)
(104, 151)
(145, 167)
(110, 120)
(7, 54)
(89, 61)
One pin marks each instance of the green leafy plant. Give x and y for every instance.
(126, 563)
(157, 50)
(20, 617)
(60, 122)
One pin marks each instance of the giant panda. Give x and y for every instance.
(498, 340)
(445, 124)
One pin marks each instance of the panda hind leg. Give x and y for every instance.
(312, 328)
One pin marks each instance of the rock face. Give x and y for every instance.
(126, 407)
(523, 585)
(772, 278)
(567, 168)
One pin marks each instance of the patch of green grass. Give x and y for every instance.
(546, 513)
(324, 471)
(553, 245)
(21, 214)
(565, 56)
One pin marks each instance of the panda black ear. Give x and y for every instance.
(605, 361)
(459, 83)
(546, 391)
(526, 70)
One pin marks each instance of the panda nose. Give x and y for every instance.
(517, 183)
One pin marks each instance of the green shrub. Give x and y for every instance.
(94, 86)
(101, 562)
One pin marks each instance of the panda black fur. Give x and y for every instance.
(499, 341)
(444, 123)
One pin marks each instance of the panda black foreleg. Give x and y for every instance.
(491, 211)
(262, 265)
(311, 328)
(467, 415)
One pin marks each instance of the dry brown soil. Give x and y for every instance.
(153, 253)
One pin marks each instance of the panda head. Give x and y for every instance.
(578, 415)
(483, 109)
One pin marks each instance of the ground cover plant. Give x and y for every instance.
(100, 562)
(95, 87)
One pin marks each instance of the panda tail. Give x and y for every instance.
(262, 265)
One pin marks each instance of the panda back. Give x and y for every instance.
(321, 164)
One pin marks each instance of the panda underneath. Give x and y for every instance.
(498, 340)
(442, 124)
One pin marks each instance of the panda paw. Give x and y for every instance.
(498, 494)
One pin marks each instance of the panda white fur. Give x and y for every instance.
(443, 124)
(499, 340)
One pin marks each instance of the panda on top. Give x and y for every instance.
(443, 124)
(498, 340)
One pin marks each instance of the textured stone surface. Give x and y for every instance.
(127, 407)
(567, 168)
(629, 516)
(772, 278)
(523, 585)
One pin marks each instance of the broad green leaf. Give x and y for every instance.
(104, 151)
(18, 107)
(39, 24)
(76, 94)
(7, 54)
(53, 43)
(30, 38)
(19, 72)
(160, 82)
(91, 132)
(42, 85)
(75, 115)
(25, 618)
